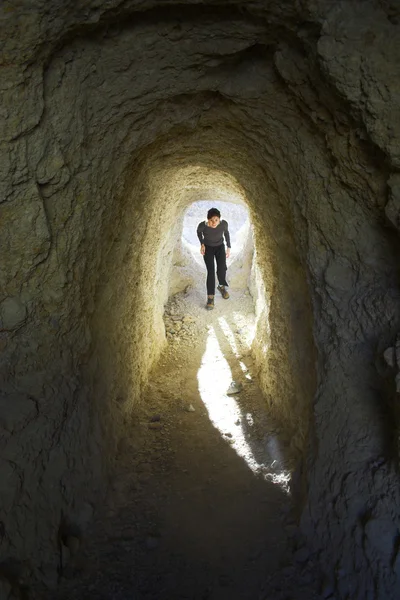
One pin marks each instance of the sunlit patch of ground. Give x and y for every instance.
(214, 380)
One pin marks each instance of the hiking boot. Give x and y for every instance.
(224, 292)
(210, 303)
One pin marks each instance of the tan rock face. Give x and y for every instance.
(115, 117)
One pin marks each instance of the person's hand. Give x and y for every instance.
(202, 249)
(228, 252)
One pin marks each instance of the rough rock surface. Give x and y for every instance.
(115, 116)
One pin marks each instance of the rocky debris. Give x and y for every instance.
(234, 388)
(177, 326)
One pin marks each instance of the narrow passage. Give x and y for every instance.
(200, 505)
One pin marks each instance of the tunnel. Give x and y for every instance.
(117, 117)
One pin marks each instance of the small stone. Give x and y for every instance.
(389, 356)
(155, 418)
(234, 388)
(190, 408)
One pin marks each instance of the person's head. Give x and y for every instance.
(213, 217)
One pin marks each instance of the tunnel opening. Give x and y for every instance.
(236, 215)
(159, 271)
(188, 264)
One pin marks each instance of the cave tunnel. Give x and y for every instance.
(115, 480)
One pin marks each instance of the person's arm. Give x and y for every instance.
(228, 240)
(200, 235)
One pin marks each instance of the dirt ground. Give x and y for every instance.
(200, 505)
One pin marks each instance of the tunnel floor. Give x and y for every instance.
(200, 505)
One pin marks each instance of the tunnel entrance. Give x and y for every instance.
(238, 218)
(188, 268)
(267, 276)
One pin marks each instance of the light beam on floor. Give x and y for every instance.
(214, 378)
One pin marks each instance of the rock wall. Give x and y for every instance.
(111, 113)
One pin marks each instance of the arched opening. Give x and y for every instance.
(239, 228)
(154, 224)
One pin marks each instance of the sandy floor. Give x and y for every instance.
(200, 506)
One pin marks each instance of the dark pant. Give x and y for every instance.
(217, 252)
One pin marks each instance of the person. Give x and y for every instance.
(211, 235)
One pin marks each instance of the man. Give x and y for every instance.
(211, 234)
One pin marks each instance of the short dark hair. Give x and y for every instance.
(213, 212)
